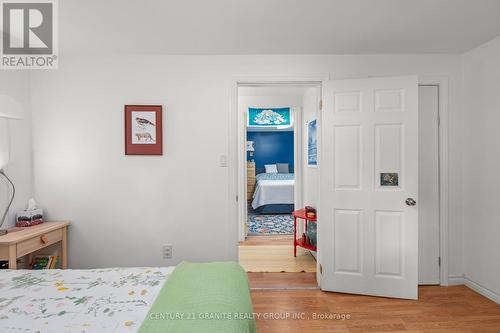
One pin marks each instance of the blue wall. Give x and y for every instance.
(271, 148)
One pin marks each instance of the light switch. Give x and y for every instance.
(223, 161)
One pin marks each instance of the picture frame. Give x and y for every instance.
(269, 117)
(143, 130)
(312, 143)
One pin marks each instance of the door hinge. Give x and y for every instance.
(320, 269)
(439, 261)
(236, 198)
(320, 104)
(439, 121)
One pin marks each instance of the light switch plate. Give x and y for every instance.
(223, 160)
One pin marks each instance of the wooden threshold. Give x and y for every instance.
(268, 240)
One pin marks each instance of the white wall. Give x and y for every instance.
(18, 140)
(481, 176)
(310, 175)
(124, 208)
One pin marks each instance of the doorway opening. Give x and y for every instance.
(438, 89)
(271, 169)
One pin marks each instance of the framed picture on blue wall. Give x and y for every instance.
(269, 117)
(312, 143)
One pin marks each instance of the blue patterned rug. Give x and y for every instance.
(270, 224)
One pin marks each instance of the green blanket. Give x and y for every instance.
(205, 298)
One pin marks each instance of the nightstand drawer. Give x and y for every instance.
(38, 242)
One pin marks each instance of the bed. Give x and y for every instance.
(274, 193)
(187, 298)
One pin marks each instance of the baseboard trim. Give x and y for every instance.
(455, 280)
(482, 290)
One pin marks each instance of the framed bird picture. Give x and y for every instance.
(143, 130)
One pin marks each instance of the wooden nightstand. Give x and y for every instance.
(24, 241)
(250, 180)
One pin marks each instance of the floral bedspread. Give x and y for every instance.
(83, 301)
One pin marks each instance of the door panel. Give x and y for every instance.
(347, 242)
(389, 240)
(347, 157)
(388, 153)
(369, 167)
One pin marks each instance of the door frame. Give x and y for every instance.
(236, 189)
(442, 82)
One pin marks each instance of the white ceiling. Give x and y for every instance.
(276, 26)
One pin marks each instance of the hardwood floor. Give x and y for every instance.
(276, 258)
(439, 309)
(292, 303)
(274, 254)
(282, 281)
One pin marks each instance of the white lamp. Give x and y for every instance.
(4, 147)
(10, 109)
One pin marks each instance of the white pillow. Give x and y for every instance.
(271, 168)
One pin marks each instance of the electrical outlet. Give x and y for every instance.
(167, 251)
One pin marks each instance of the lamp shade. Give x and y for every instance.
(4, 157)
(4, 144)
(10, 108)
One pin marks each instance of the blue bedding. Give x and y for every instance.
(275, 176)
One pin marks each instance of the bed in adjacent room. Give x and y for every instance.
(274, 193)
(146, 300)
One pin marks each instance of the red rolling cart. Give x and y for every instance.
(301, 214)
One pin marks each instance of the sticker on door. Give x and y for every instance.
(389, 179)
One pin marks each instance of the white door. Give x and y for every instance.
(368, 216)
(428, 185)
